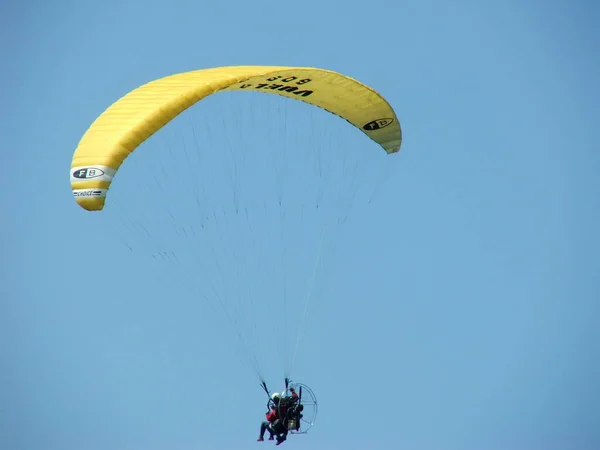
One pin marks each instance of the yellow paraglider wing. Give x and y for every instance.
(135, 117)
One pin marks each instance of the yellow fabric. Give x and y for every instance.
(135, 117)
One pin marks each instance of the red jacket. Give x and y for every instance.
(272, 415)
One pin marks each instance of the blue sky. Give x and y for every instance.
(461, 305)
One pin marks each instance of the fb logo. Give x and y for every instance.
(88, 172)
(377, 124)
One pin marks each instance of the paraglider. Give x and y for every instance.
(132, 119)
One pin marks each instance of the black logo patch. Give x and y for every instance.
(377, 124)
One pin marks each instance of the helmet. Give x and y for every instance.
(275, 397)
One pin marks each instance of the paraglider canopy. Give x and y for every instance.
(131, 120)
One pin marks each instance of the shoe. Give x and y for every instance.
(260, 439)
